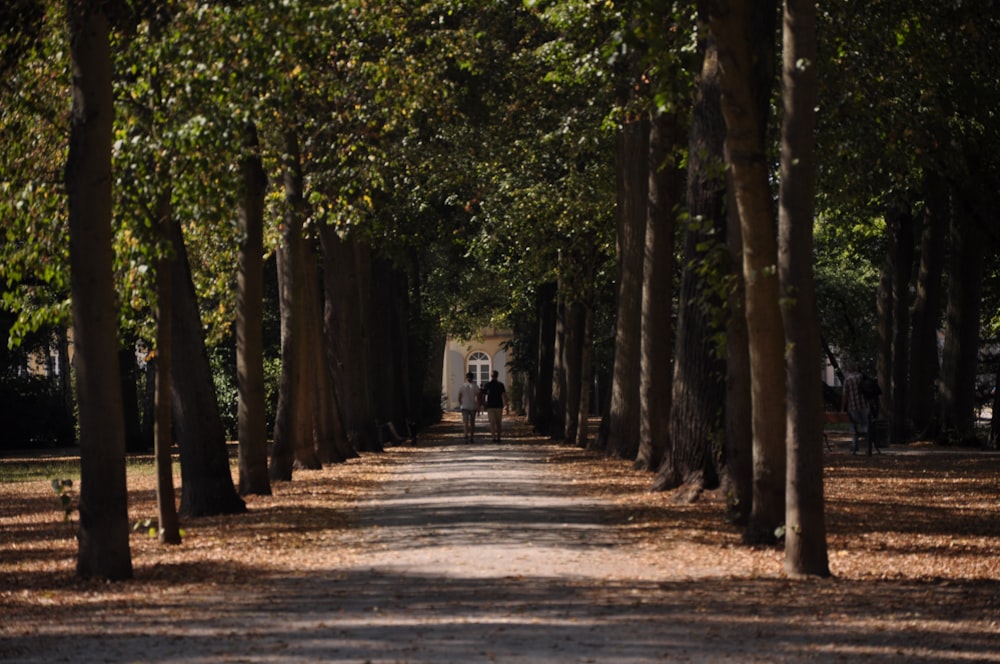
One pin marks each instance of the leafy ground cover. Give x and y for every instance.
(913, 538)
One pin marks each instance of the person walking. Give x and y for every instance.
(495, 398)
(469, 402)
(855, 404)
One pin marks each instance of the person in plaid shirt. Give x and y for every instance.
(856, 406)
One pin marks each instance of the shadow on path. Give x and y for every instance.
(482, 553)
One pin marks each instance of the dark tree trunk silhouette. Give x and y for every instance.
(347, 329)
(586, 375)
(206, 481)
(104, 531)
(389, 361)
(623, 418)
(698, 384)
(925, 368)
(740, 28)
(805, 523)
(163, 434)
(737, 483)
(900, 223)
(130, 397)
(546, 312)
(557, 420)
(961, 341)
(251, 424)
(572, 358)
(657, 294)
(294, 432)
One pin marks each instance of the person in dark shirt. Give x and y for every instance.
(495, 398)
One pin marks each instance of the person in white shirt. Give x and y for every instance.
(469, 403)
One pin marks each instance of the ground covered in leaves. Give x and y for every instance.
(913, 537)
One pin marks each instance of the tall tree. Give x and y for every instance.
(657, 291)
(294, 442)
(348, 329)
(693, 459)
(623, 417)
(104, 531)
(899, 222)
(960, 352)
(737, 26)
(805, 524)
(251, 426)
(163, 430)
(924, 364)
(206, 480)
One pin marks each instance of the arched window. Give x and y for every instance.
(479, 367)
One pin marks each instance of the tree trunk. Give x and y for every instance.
(900, 224)
(294, 442)
(67, 422)
(104, 531)
(657, 294)
(327, 435)
(557, 421)
(206, 480)
(993, 439)
(586, 375)
(623, 419)
(572, 356)
(883, 353)
(698, 374)
(737, 483)
(737, 30)
(250, 414)
(130, 397)
(163, 439)
(346, 330)
(390, 366)
(546, 308)
(924, 363)
(961, 341)
(805, 523)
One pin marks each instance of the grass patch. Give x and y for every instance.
(67, 467)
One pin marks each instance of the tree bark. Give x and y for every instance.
(572, 357)
(698, 374)
(294, 442)
(163, 439)
(737, 29)
(900, 224)
(250, 414)
(389, 362)
(557, 421)
(206, 480)
(104, 532)
(961, 341)
(322, 412)
(130, 397)
(924, 363)
(623, 419)
(546, 313)
(657, 294)
(883, 352)
(586, 375)
(805, 523)
(737, 483)
(346, 329)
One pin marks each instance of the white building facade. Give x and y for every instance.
(480, 356)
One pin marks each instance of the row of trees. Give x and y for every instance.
(626, 185)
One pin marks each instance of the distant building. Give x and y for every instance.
(480, 356)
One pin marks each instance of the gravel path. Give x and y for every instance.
(487, 553)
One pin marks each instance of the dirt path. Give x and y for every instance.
(482, 553)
